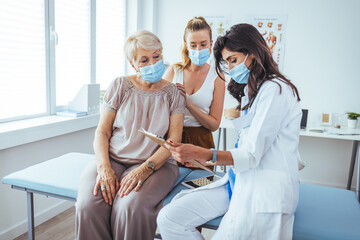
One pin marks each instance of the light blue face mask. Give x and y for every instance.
(240, 73)
(199, 57)
(153, 73)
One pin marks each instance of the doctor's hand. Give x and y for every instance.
(134, 180)
(184, 153)
(107, 182)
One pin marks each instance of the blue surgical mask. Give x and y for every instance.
(153, 73)
(199, 57)
(240, 73)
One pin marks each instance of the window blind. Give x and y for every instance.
(110, 35)
(22, 59)
(72, 51)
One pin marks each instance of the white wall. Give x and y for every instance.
(13, 208)
(322, 44)
(321, 58)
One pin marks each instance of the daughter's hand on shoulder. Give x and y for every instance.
(183, 92)
(181, 88)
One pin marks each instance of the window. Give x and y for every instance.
(22, 59)
(110, 19)
(72, 48)
(47, 52)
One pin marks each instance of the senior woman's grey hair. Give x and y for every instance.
(141, 39)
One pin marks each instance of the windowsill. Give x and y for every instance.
(16, 133)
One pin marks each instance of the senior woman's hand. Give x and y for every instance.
(108, 183)
(134, 180)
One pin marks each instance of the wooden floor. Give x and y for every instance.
(62, 227)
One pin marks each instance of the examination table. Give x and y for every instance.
(322, 213)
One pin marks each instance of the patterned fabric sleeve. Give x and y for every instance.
(112, 97)
(178, 101)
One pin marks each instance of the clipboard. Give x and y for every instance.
(162, 142)
(154, 137)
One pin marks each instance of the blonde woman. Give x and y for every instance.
(120, 193)
(198, 81)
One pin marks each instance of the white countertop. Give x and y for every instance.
(329, 132)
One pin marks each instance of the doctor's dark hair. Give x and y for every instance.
(246, 39)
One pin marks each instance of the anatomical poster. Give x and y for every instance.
(219, 25)
(273, 29)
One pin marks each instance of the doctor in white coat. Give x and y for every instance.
(259, 195)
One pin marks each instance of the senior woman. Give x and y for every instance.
(120, 194)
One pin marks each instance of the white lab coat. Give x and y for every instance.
(265, 164)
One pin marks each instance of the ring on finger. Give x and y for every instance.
(102, 187)
(140, 182)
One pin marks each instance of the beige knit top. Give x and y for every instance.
(136, 109)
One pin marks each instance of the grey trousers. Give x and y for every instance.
(132, 217)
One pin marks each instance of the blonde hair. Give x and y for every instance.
(194, 25)
(140, 39)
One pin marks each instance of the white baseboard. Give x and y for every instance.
(41, 217)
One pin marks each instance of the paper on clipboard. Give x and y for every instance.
(197, 164)
(161, 142)
(153, 137)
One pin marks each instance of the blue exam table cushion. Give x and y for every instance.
(58, 176)
(326, 213)
(183, 172)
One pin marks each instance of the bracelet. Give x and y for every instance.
(150, 165)
(213, 161)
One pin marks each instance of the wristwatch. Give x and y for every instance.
(213, 161)
(150, 165)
